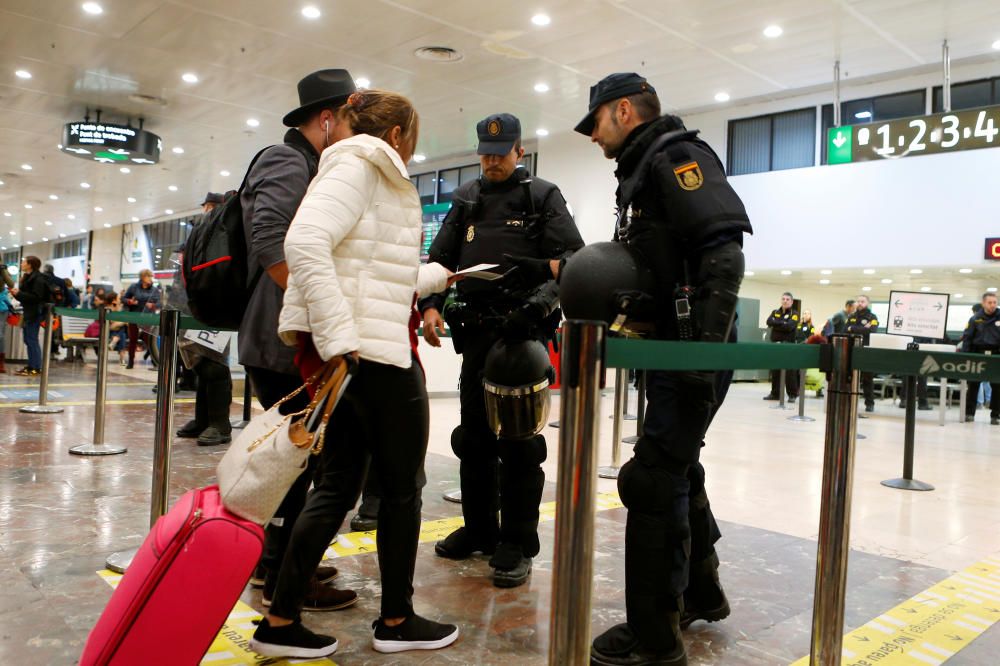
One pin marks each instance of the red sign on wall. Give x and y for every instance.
(993, 249)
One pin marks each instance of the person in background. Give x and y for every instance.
(982, 336)
(805, 329)
(99, 295)
(863, 322)
(142, 296)
(32, 292)
(117, 330)
(87, 301)
(72, 295)
(6, 308)
(838, 322)
(783, 322)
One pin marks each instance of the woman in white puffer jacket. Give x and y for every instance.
(353, 253)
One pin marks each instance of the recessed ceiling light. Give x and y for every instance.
(71, 216)
(107, 225)
(85, 186)
(541, 19)
(991, 289)
(965, 270)
(26, 167)
(45, 239)
(541, 131)
(916, 271)
(1, 182)
(863, 115)
(135, 219)
(131, 199)
(6, 214)
(82, 230)
(98, 209)
(786, 272)
(62, 235)
(959, 295)
(125, 170)
(869, 271)
(362, 83)
(416, 158)
(721, 97)
(311, 12)
(866, 288)
(3, 247)
(54, 197)
(172, 188)
(29, 229)
(48, 223)
(541, 87)
(28, 206)
(748, 273)
(93, 8)
(22, 74)
(826, 271)
(925, 289)
(886, 281)
(996, 45)
(169, 211)
(13, 233)
(824, 281)
(189, 77)
(33, 242)
(177, 150)
(225, 174)
(773, 31)
(253, 122)
(59, 146)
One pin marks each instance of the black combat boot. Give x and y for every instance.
(462, 543)
(510, 567)
(704, 599)
(619, 646)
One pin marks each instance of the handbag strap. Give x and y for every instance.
(334, 387)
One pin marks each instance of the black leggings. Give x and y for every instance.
(384, 415)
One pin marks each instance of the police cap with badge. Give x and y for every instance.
(498, 134)
(608, 89)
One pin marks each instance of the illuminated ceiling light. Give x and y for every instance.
(253, 122)
(869, 271)
(29, 229)
(416, 158)
(959, 295)
(721, 97)
(773, 31)
(925, 289)
(863, 115)
(1, 182)
(965, 271)
(82, 230)
(135, 219)
(541, 87)
(44, 239)
(59, 146)
(996, 45)
(6, 214)
(177, 150)
(98, 209)
(62, 235)
(26, 167)
(312, 13)
(363, 83)
(541, 131)
(125, 170)
(886, 281)
(54, 197)
(71, 216)
(23, 74)
(28, 206)
(824, 282)
(992, 290)
(172, 188)
(48, 223)
(866, 288)
(826, 271)
(13, 233)
(93, 8)
(225, 174)
(3, 247)
(131, 199)
(107, 225)
(786, 272)
(189, 77)
(169, 211)
(541, 19)
(916, 271)
(85, 186)
(30, 243)
(748, 273)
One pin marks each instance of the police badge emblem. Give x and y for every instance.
(494, 128)
(689, 176)
(470, 234)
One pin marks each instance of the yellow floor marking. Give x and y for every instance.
(79, 403)
(932, 626)
(231, 646)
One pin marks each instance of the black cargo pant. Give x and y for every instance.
(791, 383)
(670, 526)
(384, 414)
(502, 475)
(214, 395)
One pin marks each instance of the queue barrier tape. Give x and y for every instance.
(138, 318)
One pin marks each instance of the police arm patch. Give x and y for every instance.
(689, 176)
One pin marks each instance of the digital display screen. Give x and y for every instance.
(108, 143)
(905, 137)
(434, 215)
(992, 249)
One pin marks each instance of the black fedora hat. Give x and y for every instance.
(327, 87)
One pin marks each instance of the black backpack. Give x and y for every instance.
(214, 266)
(56, 289)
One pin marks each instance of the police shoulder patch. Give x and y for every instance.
(689, 176)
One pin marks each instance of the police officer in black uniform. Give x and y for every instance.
(982, 336)
(863, 322)
(503, 217)
(783, 322)
(680, 215)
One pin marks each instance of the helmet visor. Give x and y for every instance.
(517, 412)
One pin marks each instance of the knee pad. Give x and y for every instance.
(523, 452)
(653, 489)
(471, 444)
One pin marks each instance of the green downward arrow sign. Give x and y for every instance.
(838, 144)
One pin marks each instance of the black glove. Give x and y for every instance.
(519, 323)
(528, 271)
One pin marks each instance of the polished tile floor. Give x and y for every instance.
(61, 515)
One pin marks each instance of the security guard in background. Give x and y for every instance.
(982, 336)
(805, 329)
(862, 322)
(783, 322)
(679, 214)
(503, 217)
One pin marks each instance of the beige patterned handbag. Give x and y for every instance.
(272, 451)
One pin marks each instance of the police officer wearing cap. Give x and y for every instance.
(503, 217)
(679, 215)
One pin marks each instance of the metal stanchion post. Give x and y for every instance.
(801, 416)
(963, 395)
(640, 411)
(97, 447)
(781, 390)
(625, 413)
(163, 435)
(907, 482)
(43, 386)
(573, 557)
(835, 509)
(943, 401)
(247, 403)
(611, 472)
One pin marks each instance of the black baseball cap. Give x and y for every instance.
(498, 134)
(611, 87)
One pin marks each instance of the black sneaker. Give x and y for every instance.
(292, 640)
(994, 420)
(924, 407)
(461, 544)
(869, 408)
(415, 633)
(770, 396)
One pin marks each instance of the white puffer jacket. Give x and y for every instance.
(353, 253)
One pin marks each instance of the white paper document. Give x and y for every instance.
(481, 272)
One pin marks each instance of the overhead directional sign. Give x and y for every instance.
(938, 133)
(917, 313)
(108, 143)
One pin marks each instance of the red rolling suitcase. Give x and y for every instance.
(179, 589)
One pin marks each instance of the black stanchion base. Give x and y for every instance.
(238, 423)
(454, 496)
(631, 439)
(41, 409)
(803, 419)
(860, 436)
(907, 484)
(608, 472)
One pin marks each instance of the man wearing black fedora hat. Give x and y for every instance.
(275, 185)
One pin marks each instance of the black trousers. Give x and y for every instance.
(972, 395)
(921, 391)
(214, 395)
(384, 414)
(670, 525)
(270, 387)
(502, 475)
(868, 387)
(791, 383)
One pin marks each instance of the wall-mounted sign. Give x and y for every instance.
(917, 313)
(939, 133)
(111, 144)
(992, 249)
